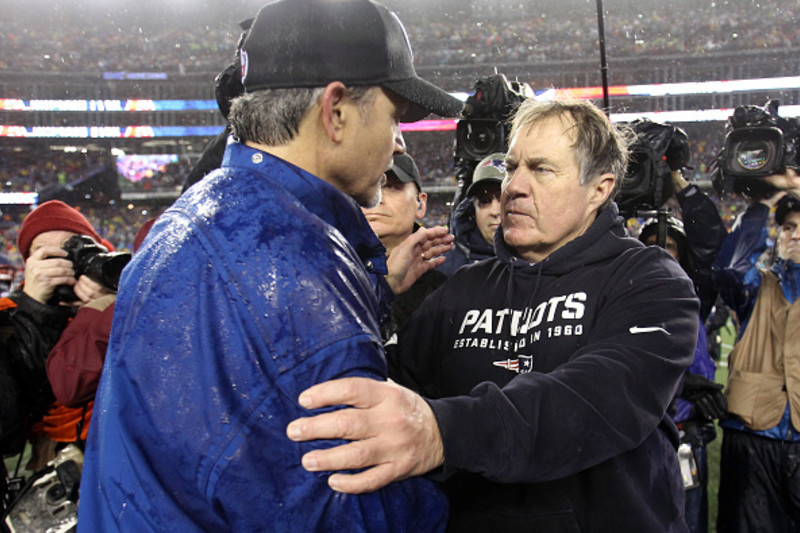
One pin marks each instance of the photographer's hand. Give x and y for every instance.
(86, 289)
(45, 270)
(678, 181)
(788, 182)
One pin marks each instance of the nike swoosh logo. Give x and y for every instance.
(650, 329)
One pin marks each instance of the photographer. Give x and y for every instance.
(759, 487)
(477, 216)
(37, 321)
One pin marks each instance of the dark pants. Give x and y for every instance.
(696, 502)
(759, 486)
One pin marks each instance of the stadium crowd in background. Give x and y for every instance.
(480, 33)
(483, 34)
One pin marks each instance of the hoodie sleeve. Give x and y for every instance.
(705, 233)
(606, 398)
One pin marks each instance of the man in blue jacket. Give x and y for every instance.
(544, 375)
(257, 283)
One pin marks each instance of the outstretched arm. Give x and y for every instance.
(392, 428)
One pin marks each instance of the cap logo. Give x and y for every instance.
(245, 64)
(498, 164)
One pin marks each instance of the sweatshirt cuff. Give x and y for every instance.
(468, 440)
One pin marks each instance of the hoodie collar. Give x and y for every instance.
(599, 242)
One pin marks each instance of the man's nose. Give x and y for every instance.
(494, 207)
(399, 141)
(512, 184)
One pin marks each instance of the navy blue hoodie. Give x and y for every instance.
(550, 383)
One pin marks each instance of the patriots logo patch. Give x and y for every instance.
(522, 365)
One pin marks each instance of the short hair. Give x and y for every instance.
(273, 116)
(600, 146)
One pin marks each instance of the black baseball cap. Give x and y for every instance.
(310, 43)
(405, 169)
(786, 205)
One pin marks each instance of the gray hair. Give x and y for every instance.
(600, 146)
(273, 116)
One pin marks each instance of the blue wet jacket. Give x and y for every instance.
(252, 287)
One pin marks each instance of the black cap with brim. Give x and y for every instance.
(786, 205)
(405, 169)
(425, 98)
(310, 43)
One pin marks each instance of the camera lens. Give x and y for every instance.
(482, 139)
(754, 155)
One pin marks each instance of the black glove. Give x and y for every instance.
(677, 155)
(707, 397)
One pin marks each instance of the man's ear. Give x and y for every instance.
(602, 189)
(422, 205)
(333, 110)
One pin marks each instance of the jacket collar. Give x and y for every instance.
(318, 197)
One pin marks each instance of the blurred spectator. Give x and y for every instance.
(477, 217)
(481, 33)
(403, 204)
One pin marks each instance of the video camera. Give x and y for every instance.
(658, 149)
(93, 260)
(483, 128)
(759, 143)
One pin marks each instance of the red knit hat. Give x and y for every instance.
(53, 216)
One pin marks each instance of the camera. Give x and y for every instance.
(49, 500)
(759, 143)
(92, 260)
(658, 149)
(483, 128)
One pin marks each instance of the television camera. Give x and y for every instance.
(657, 150)
(484, 128)
(759, 143)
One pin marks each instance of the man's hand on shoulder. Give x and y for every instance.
(393, 431)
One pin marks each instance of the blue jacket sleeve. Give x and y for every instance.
(734, 272)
